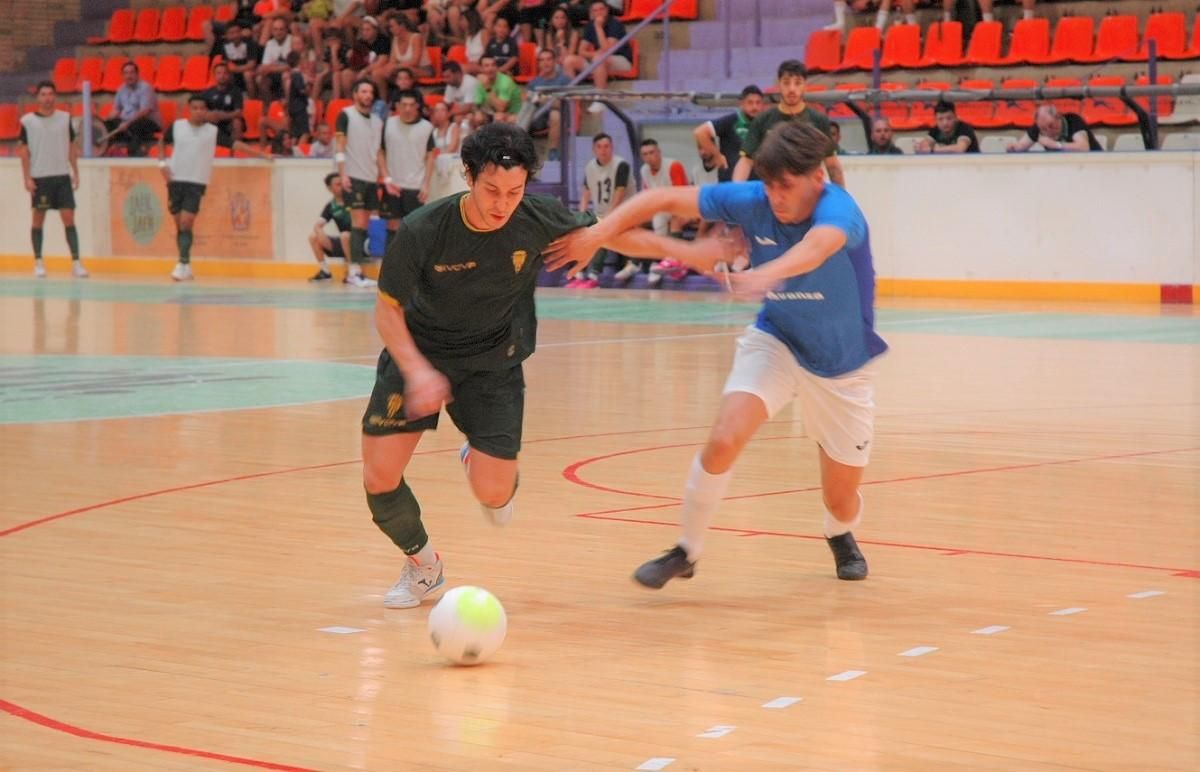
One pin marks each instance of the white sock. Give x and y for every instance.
(426, 556)
(701, 497)
(881, 19)
(835, 527)
(839, 13)
(1027, 13)
(324, 266)
(988, 17)
(910, 18)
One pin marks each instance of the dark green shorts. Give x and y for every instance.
(488, 407)
(53, 193)
(184, 197)
(401, 206)
(363, 195)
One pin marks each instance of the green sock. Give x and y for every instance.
(36, 235)
(398, 515)
(184, 240)
(358, 244)
(73, 241)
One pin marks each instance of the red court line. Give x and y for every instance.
(87, 734)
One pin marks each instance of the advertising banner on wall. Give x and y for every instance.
(235, 217)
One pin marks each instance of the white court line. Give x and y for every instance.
(597, 341)
(1146, 594)
(990, 630)
(340, 630)
(847, 675)
(918, 651)
(782, 702)
(713, 732)
(1066, 612)
(935, 319)
(656, 763)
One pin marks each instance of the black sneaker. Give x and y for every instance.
(321, 275)
(672, 563)
(851, 565)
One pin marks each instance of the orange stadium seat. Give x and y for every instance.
(634, 73)
(333, 109)
(111, 80)
(10, 122)
(860, 49)
(170, 111)
(1193, 51)
(1109, 111)
(199, 16)
(840, 110)
(1073, 38)
(1117, 37)
(173, 27)
(252, 113)
(435, 64)
(984, 48)
(195, 73)
(824, 50)
(893, 111)
(106, 110)
(1065, 104)
(65, 75)
(222, 152)
(1017, 112)
(1166, 104)
(1030, 39)
(457, 54)
(90, 69)
(902, 47)
(636, 10)
(433, 99)
(943, 45)
(981, 115)
(145, 29)
(526, 62)
(225, 13)
(170, 73)
(120, 26)
(1169, 33)
(147, 66)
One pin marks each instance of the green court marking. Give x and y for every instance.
(35, 389)
(699, 310)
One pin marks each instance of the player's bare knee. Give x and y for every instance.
(843, 505)
(720, 453)
(379, 476)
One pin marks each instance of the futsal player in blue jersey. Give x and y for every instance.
(813, 341)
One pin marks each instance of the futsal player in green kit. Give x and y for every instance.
(456, 315)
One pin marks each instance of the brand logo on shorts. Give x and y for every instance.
(396, 401)
(518, 259)
(863, 446)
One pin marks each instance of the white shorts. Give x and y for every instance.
(839, 413)
(618, 63)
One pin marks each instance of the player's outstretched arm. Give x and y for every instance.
(425, 388)
(817, 246)
(700, 255)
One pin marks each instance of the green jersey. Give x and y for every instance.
(768, 119)
(468, 294)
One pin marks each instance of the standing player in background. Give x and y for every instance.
(189, 170)
(49, 165)
(408, 150)
(605, 180)
(457, 318)
(321, 243)
(792, 80)
(659, 172)
(361, 164)
(813, 342)
(721, 140)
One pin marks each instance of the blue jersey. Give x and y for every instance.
(827, 316)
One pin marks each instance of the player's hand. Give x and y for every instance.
(1011, 147)
(423, 196)
(722, 161)
(166, 173)
(30, 186)
(392, 188)
(425, 391)
(721, 247)
(1047, 142)
(574, 250)
(346, 183)
(750, 285)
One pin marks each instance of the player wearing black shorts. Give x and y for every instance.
(48, 154)
(408, 146)
(359, 139)
(322, 244)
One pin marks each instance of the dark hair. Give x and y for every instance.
(411, 74)
(601, 136)
(792, 67)
(45, 84)
(293, 59)
(504, 145)
(944, 107)
(220, 65)
(791, 148)
(197, 96)
(451, 66)
(408, 93)
(648, 142)
(748, 90)
(329, 178)
(369, 82)
(486, 56)
(131, 64)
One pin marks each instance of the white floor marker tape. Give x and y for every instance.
(713, 732)
(656, 763)
(990, 630)
(340, 630)
(782, 702)
(1066, 612)
(1146, 594)
(847, 675)
(918, 651)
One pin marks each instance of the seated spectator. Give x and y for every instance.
(579, 11)
(405, 80)
(372, 47)
(563, 39)
(478, 35)
(408, 51)
(296, 99)
(881, 139)
(503, 47)
(135, 118)
(949, 135)
(1056, 132)
(835, 133)
(341, 21)
(337, 60)
(600, 36)
(532, 17)
(275, 49)
(322, 244)
(244, 17)
(224, 101)
(550, 123)
(473, 120)
(242, 53)
(498, 93)
(461, 89)
(322, 146)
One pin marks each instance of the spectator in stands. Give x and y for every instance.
(99, 132)
(605, 180)
(579, 11)
(881, 139)
(1056, 132)
(986, 7)
(322, 146)
(447, 136)
(562, 39)
(275, 49)
(342, 20)
(792, 78)
(461, 89)
(224, 101)
(503, 47)
(408, 51)
(240, 51)
(728, 132)
(470, 124)
(498, 93)
(881, 16)
(532, 18)
(601, 36)
(324, 246)
(449, 20)
(949, 134)
(296, 96)
(835, 133)
(370, 48)
(337, 59)
(405, 80)
(283, 145)
(135, 118)
(550, 122)
(478, 35)
(49, 166)
(707, 172)
(658, 172)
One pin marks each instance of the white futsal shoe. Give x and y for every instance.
(182, 272)
(39, 269)
(414, 584)
(78, 271)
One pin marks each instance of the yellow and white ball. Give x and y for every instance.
(467, 625)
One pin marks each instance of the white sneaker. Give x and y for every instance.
(182, 272)
(39, 269)
(356, 279)
(78, 271)
(628, 272)
(654, 279)
(414, 584)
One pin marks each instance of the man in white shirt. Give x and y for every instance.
(271, 70)
(658, 172)
(606, 179)
(408, 147)
(461, 89)
(48, 154)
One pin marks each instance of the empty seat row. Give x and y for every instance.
(169, 25)
(168, 73)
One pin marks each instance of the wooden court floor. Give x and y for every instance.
(183, 523)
